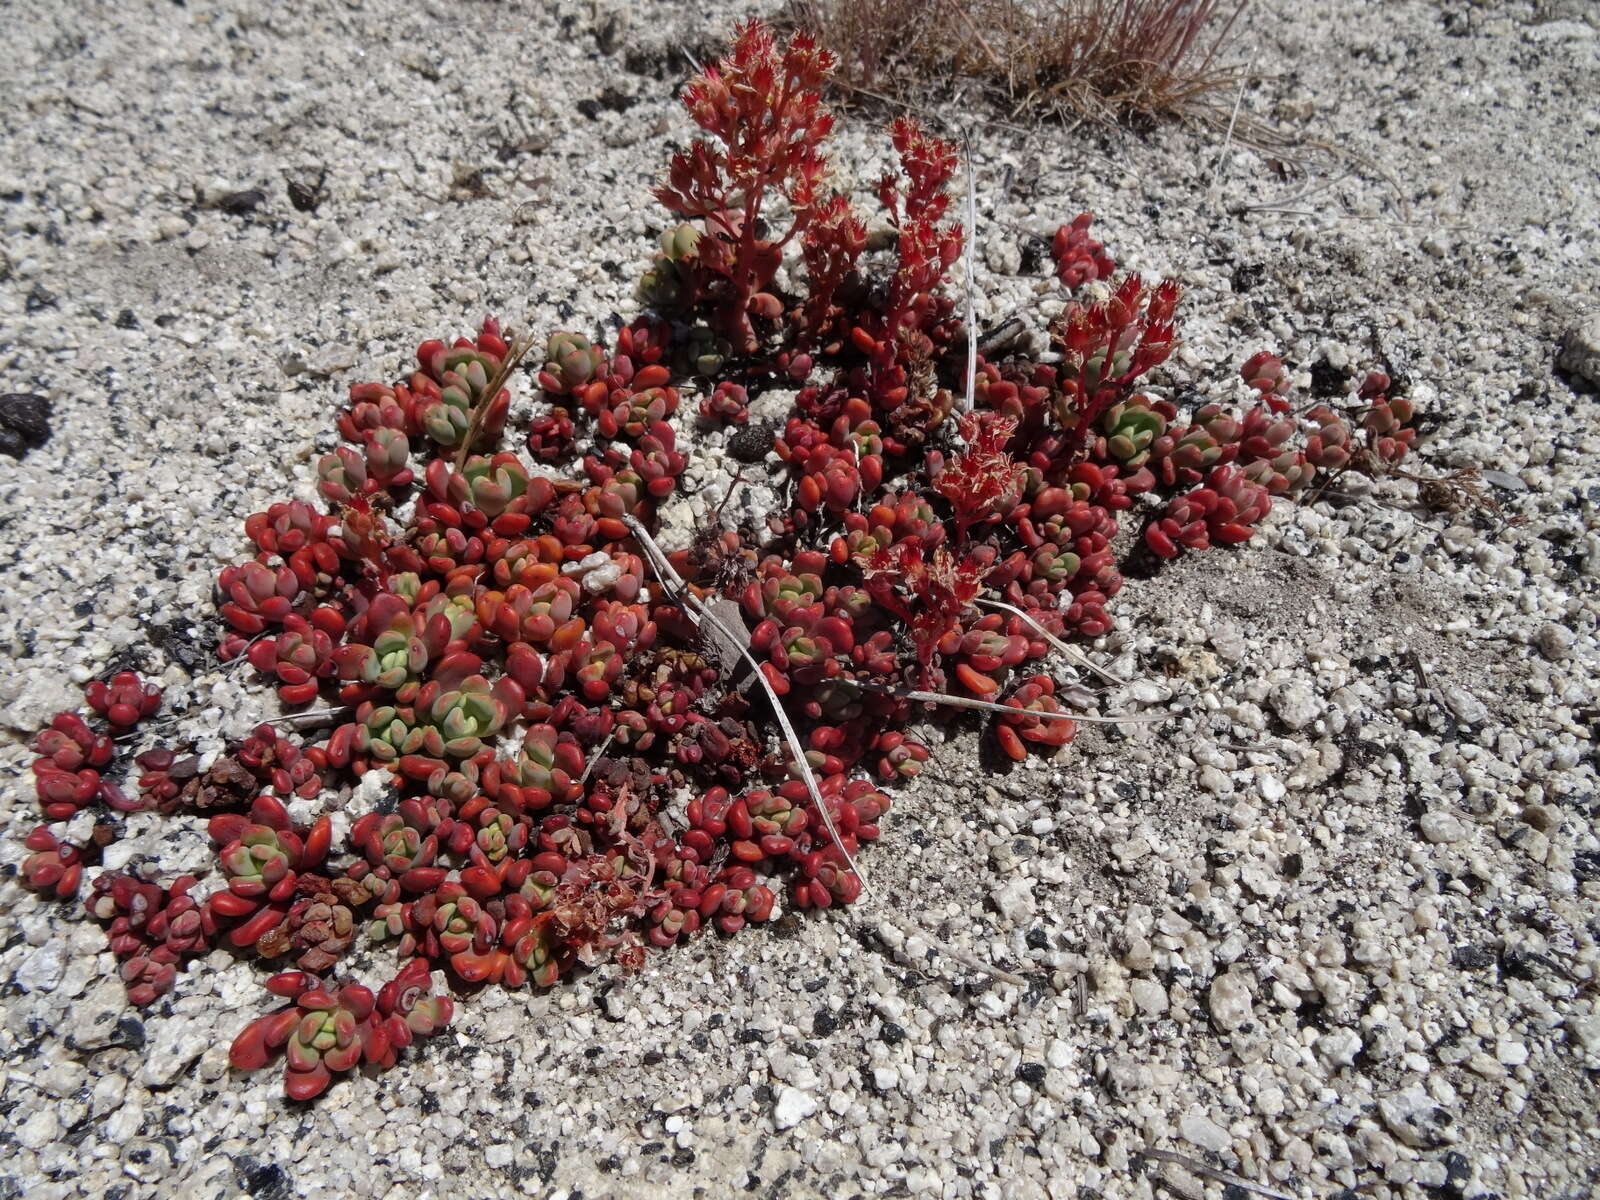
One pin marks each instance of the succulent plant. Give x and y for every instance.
(1078, 257)
(124, 700)
(299, 657)
(645, 802)
(551, 435)
(456, 386)
(1223, 511)
(570, 363)
(1266, 374)
(150, 929)
(456, 715)
(1130, 426)
(728, 404)
(257, 595)
(54, 868)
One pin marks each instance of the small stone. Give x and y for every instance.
(1228, 642)
(107, 1094)
(124, 1123)
(885, 1078)
(1536, 846)
(1339, 1047)
(1511, 1053)
(1413, 1117)
(1466, 707)
(39, 1130)
(93, 1023)
(1149, 995)
(42, 969)
(331, 359)
(24, 422)
(1230, 1002)
(1505, 480)
(1442, 828)
(1554, 641)
(1014, 900)
(239, 203)
(174, 1046)
(1586, 1031)
(1296, 704)
(1543, 817)
(1003, 255)
(1580, 349)
(793, 1106)
(146, 1161)
(1131, 851)
(1202, 1131)
(499, 1155)
(1140, 955)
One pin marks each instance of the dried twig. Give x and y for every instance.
(701, 614)
(317, 718)
(1199, 1168)
(519, 347)
(1282, 202)
(1011, 709)
(594, 758)
(1233, 120)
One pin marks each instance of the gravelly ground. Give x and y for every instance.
(1333, 930)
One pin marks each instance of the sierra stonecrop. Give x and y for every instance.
(572, 770)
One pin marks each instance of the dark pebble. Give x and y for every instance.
(750, 443)
(240, 203)
(24, 422)
(265, 1181)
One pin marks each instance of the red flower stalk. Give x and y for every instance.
(831, 245)
(1106, 346)
(897, 339)
(763, 107)
(984, 483)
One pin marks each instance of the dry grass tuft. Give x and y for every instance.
(1100, 59)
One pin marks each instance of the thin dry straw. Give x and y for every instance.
(1077, 656)
(1009, 709)
(1209, 1172)
(972, 287)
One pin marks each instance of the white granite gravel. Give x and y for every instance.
(1333, 930)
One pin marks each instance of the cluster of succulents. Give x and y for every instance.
(539, 703)
(325, 1029)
